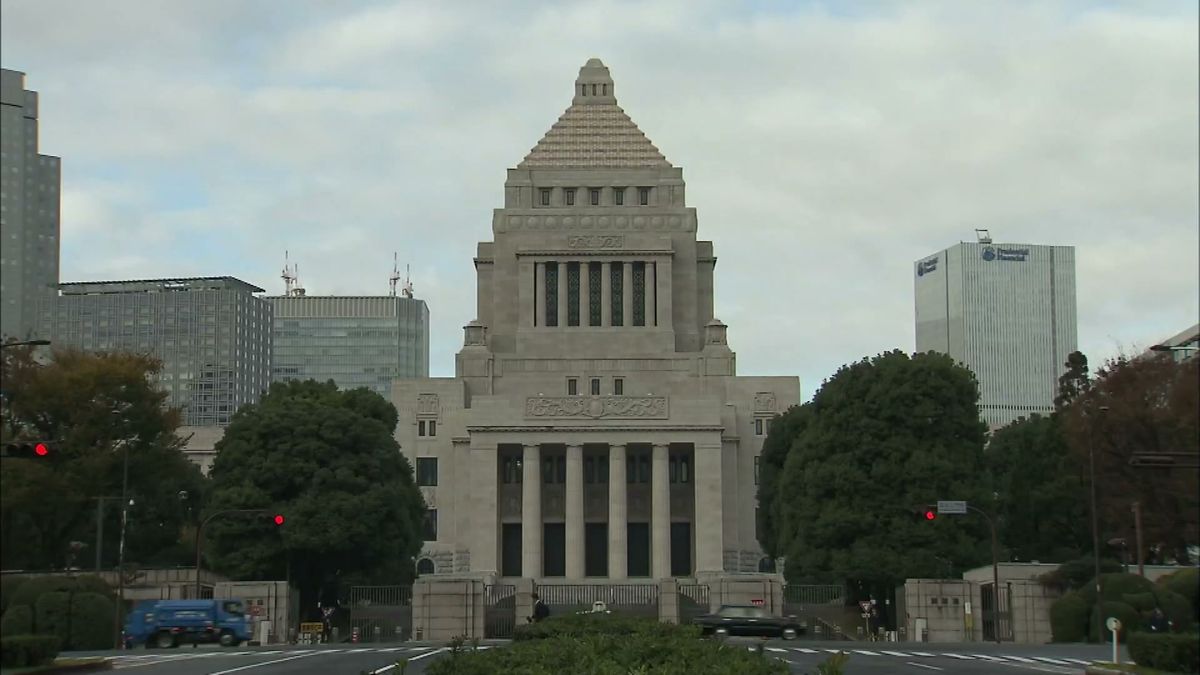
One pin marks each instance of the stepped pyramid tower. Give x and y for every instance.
(596, 426)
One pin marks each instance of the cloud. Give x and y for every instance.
(825, 146)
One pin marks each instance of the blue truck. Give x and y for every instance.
(169, 623)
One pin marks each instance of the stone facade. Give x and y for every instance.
(596, 426)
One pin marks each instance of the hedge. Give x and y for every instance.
(91, 622)
(1186, 583)
(1068, 618)
(17, 651)
(29, 592)
(8, 589)
(1174, 653)
(1174, 605)
(1116, 586)
(607, 645)
(1130, 620)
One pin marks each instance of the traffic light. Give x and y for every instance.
(278, 519)
(27, 450)
(930, 515)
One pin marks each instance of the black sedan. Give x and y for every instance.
(748, 620)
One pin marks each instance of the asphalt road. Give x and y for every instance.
(802, 657)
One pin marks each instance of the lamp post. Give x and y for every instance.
(126, 502)
(1095, 522)
(200, 537)
(995, 571)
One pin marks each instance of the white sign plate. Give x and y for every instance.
(951, 507)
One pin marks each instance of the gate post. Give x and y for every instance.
(668, 601)
(525, 590)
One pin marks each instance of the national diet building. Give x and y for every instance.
(596, 426)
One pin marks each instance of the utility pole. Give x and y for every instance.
(1137, 528)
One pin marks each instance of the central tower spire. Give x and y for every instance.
(594, 86)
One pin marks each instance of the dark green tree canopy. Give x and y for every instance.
(328, 461)
(883, 436)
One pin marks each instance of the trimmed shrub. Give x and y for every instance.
(17, 620)
(1116, 586)
(29, 592)
(50, 617)
(1127, 615)
(608, 645)
(18, 651)
(1186, 583)
(8, 588)
(1068, 618)
(1175, 606)
(91, 622)
(1173, 653)
(1076, 574)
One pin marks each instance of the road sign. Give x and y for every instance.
(1113, 623)
(951, 507)
(865, 604)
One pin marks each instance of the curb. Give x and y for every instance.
(82, 667)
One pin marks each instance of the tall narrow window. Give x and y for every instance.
(594, 196)
(427, 471)
(572, 294)
(644, 196)
(595, 386)
(551, 294)
(569, 195)
(572, 386)
(639, 294)
(758, 426)
(432, 428)
(618, 386)
(545, 196)
(594, 272)
(756, 470)
(617, 283)
(429, 525)
(619, 196)
(421, 428)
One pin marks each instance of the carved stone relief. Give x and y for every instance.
(597, 407)
(764, 401)
(427, 404)
(595, 241)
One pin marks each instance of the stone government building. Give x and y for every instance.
(596, 427)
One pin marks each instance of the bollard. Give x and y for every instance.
(334, 632)
(377, 632)
(354, 635)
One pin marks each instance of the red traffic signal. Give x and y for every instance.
(41, 450)
(930, 515)
(27, 450)
(278, 518)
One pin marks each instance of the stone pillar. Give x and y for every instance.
(531, 512)
(562, 293)
(606, 294)
(574, 512)
(585, 294)
(710, 517)
(539, 290)
(618, 524)
(660, 514)
(627, 293)
(648, 296)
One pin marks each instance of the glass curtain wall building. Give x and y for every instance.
(211, 333)
(356, 341)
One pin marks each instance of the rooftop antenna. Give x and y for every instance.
(395, 278)
(408, 287)
(298, 290)
(983, 236)
(289, 278)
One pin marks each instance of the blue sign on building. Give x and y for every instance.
(990, 253)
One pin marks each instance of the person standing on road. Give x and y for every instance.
(1159, 622)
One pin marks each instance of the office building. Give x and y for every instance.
(29, 211)
(213, 335)
(356, 341)
(1007, 312)
(596, 426)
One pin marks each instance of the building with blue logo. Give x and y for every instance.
(1007, 312)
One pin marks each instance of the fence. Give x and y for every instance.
(499, 610)
(693, 602)
(997, 621)
(820, 608)
(381, 612)
(627, 599)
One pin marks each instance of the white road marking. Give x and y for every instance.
(926, 654)
(922, 665)
(864, 652)
(358, 651)
(986, 657)
(963, 657)
(776, 649)
(393, 649)
(1056, 662)
(384, 669)
(264, 663)
(884, 651)
(1079, 661)
(804, 650)
(1018, 658)
(421, 649)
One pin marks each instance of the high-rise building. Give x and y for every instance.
(1007, 312)
(356, 341)
(29, 211)
(596, 425)
(212, 334)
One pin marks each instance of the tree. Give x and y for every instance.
(1074, 381)
(783, 430)
(883, 436)
(1133, 407)
(328, 461)
(1041, 491)
(91, 408)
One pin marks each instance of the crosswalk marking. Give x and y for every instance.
(1018, 658)
(865, 652)
(804, 650)
(962, 657)
(884, 651)
(986, 657)
(1079, 661)
(776, 649)
(925, 654)
(1047, 659)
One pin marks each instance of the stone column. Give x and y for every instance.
(649, 295)
(606, 294)
(627, 293)
(531, 512)
(562, 293)
(574, 512)
(660, 514)
(710, 498)
(585, 294)
(618, 522)
(539, 290)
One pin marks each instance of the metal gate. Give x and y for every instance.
(381, 613)
(819, 607)
(626, 599)
(997, 621)
(499, 610)
(693, 602)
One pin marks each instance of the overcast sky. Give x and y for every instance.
(827, 146)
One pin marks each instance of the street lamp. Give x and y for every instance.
(25, 343)
(1095, 520)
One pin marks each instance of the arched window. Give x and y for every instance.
(766, 564)
(424, 566)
